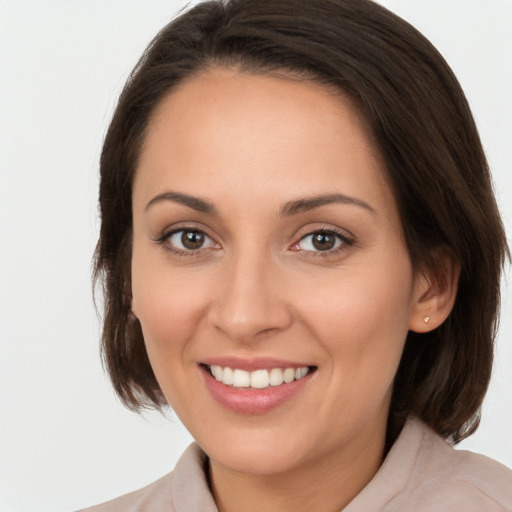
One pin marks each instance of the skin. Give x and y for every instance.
(250, 144)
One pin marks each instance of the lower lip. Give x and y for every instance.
(250, 400)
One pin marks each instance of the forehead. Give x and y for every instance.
(253, 134)
(227, 98)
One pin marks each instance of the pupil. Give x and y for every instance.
(192, 239)
(323, 241)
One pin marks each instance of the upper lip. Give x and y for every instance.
(252, 364)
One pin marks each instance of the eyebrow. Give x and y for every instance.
(290, 208)
(310, 203)
(195, 203)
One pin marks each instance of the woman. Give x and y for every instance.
(301, 255)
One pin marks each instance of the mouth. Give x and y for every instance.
(257, 379)
(256, 388)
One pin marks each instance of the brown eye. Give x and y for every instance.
(323, 241)
(188, 240)
(192, 239)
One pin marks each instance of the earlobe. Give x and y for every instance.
(133, 316)
(436, 291)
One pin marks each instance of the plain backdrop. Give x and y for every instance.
(65, 441)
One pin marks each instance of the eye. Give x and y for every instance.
(322, 241)
(187, 240)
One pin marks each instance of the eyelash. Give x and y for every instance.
(164, 240)
(346, 242)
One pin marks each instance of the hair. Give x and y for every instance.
(422, 126)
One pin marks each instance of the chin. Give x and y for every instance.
(255, 459)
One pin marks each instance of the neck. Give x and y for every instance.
(333, 479)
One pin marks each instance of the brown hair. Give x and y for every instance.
(424, 130)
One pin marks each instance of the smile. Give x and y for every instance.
(254, 387)
(257, 379)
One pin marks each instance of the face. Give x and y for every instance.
(269, 271)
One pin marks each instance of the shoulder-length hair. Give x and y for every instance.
(422, 126)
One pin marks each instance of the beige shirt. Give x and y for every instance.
(422, 473)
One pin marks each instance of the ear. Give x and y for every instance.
(132, 311)
(435, 292)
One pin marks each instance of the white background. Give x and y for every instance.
(65, 441)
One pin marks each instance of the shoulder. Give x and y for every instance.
(422, 472)
(155, 497)
(183, 490)
(448, 479)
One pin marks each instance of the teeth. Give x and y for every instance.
(276, 377)
(227, 376)
(241, 379)
(289, 375)
(217, 372)
(258, 379)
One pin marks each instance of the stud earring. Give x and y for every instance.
(426, 319)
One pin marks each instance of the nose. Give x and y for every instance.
(250, 302)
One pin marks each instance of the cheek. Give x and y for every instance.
(169, 306)
(362, 320)
(170, 310)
